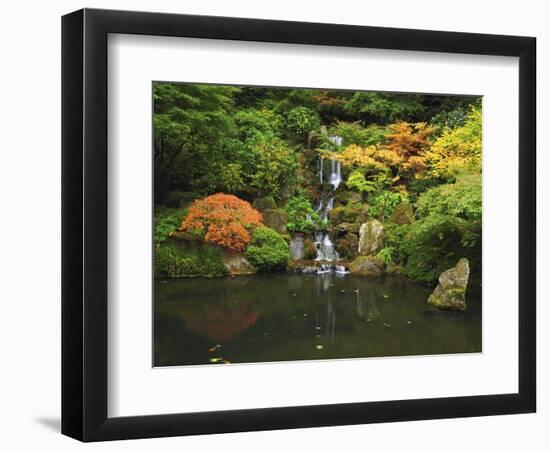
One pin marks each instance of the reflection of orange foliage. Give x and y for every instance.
(217, 323)
(222, 219)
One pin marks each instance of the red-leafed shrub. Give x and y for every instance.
(222, 219)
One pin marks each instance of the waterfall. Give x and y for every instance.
(326, 251)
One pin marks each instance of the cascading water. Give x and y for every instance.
(326, 250)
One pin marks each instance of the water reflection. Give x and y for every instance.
(290, 317)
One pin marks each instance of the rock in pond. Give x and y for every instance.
(237, 264)
(371, 238)
(369, 266)
(450, 293)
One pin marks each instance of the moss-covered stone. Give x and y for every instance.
(237, 264)
(352, 212)
(310, 251)
(450, 293)
(263, 203)
(368, 266)
(343, 197)
(275, 219)
(348, 227)
(347, 245)
(402, 214)
(371, 238)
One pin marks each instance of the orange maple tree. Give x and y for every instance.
(222, 219)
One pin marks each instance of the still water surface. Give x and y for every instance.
(302, 317)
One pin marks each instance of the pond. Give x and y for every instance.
(283, 317)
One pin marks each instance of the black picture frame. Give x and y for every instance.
(84, 224)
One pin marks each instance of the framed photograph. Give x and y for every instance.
(273, 224)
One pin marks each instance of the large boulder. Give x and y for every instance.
(371, 238)
(450, 293)
(402, 214)
(368, 266)
(347, 245)
(237, 264)
(275, 219)
(347, 227)
(263, 203)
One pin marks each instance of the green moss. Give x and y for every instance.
(174, 261)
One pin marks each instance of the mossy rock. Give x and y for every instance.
(275, 219)
(371, 237)
(368, 266)
(402, 214)
(352, 212)
(344, 197)
(347, 245)
(336, 215)
(264, 203)
(450, 293)
(310, 251)
(237, 264)
(348, 227)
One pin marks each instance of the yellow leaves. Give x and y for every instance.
(457, 148)
(354, 155)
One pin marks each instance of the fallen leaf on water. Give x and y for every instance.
(217, 346)
(215, 360)
(225, 361)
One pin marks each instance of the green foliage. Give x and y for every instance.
(462, 199)
(457, 148)
(167, 221)
(302, 218)
(255, 123)
(171, 260)
(449, 120)
(382, 205)
(367, 183)
(301, 120)
(385, 107)
(386, 255)
(273, 168)
(355, 133)
(268, 250)
(433, 245)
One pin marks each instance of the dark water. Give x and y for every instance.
(296, 317)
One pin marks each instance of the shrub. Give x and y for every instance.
(172, 260)
(382, 206)
(222, 219)
(355, 133)
(301, 216)
(458, 147)
(300, 121)
(432, 245)
(268, 250)
(166, 221)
